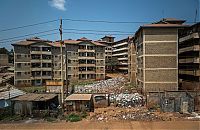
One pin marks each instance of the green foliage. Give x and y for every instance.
(50, 119)
(33, 89)
(84, 114)
(12, 118)
(3, 50)
(73, 117)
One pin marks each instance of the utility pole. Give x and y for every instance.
(61, 52)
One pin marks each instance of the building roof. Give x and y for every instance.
(109, 36)
(12, 93)
(82, 40)
(30, 41)
(76, 97)
(35, 97)
(163, 25)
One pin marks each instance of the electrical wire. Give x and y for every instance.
(30, 25)
(26, 35)
(98, 30)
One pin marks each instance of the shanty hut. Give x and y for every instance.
(79, 102)
(7, 95)
(29, 104)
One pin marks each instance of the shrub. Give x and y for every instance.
(73, 117)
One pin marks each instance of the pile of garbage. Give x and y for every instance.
(102, 86)
(134, 114)
(127, 100)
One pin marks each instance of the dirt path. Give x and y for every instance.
(83, 125)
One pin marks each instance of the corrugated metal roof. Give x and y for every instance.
(76, 97)
(35, 97)
(11, 94)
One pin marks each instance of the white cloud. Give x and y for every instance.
(58, 4)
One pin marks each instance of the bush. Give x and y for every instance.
(73, 117)
(50, 119)
(84, 115)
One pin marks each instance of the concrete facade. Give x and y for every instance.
(157, 55)
(120, 51)
(108, 42)
(3, 59)
(131, 62)
(37, 60)
(189, 57)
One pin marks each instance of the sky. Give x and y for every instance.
(16, 13)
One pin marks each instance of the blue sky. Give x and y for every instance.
(14, 13)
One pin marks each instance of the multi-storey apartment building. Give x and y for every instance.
(131, 61)
(38, 60)
(157, 55)
(3, 59)
(86, 59)
(189, 57)
(35, 61)
(120, 51)
(108, 42)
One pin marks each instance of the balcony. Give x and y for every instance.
(85, 50)
(121, 44)
(125, 58)
(86, 57)
(191, 48)
(120, 49)
(86, 65)
(190, 60)
(36, 69)
(86, 72)
(190, 72)
(120, 54)
(41, 52)
(189, 36)
(35, 60)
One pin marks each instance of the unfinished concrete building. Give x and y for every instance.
(189, 57)
(120, 51)
(37, 60)
(157, 55)
(131, 61)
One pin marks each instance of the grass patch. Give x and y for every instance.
(73, 117)
(50, 119)
(12, 118)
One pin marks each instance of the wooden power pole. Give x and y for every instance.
(61, 52)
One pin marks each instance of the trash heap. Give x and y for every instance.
(102, 86)
(127, 100)
(134, 114)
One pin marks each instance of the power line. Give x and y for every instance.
(111, 22)
(102, 21)
(115, 32)
(98, 30)
(27, 35)
(25, 26)
(25, 38)
(100, 33)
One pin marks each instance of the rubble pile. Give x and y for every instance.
(103, 86)
(134, 114)
(127, 100)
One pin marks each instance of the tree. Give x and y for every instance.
(112, 63)
(3, 50)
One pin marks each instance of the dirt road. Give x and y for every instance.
(83, 125)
